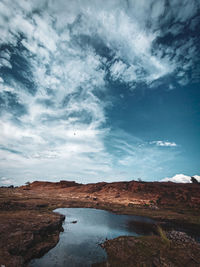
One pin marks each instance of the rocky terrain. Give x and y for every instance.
(29, 228)
(150, 251)
(26, 234)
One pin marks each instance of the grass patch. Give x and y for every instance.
(163, 236)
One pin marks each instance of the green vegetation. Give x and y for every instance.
(163, 236)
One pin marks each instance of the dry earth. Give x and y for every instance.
(29, 228)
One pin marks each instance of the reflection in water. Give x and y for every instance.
(79, 243)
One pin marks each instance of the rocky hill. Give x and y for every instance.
(160, 193)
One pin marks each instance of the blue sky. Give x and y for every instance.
(99, 90)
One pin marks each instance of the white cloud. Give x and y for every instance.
(186, 9)
(180, 178)
(63, 131)
(164, 143)
(5, 181)
(158, 9)
(122, 72)
(134, 158)
(5, 63)
(132, 43)
(69, 132)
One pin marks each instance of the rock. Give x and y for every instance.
(156, 262)
(26, 234)
(153, 207)
(179, 237)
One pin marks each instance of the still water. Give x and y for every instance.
(79, 243)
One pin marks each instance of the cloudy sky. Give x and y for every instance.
(94, 90)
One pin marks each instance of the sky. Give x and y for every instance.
(99, 90)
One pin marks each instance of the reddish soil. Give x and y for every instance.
(126, 192)
(29, 228)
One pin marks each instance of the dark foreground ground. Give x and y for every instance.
(29, 228)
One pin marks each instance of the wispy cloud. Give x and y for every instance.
(5, 181)
(57, 57)
(164, 143)
(136, 158)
